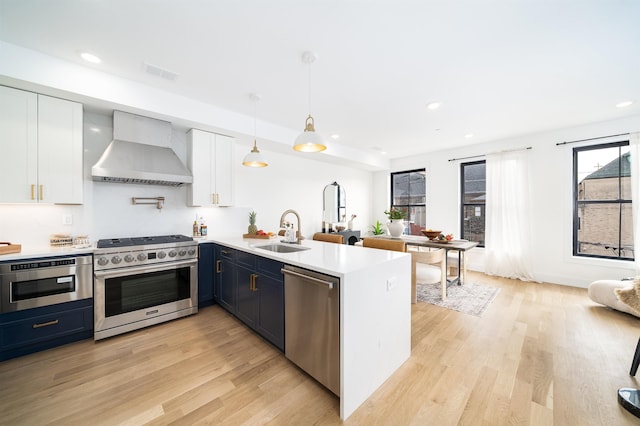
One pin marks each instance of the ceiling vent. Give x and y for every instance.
(160, 72)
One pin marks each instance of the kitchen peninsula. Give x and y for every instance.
(375, 309)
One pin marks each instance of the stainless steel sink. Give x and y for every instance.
(282, 248)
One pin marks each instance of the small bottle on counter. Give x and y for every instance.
(196, 228)
(203, 227)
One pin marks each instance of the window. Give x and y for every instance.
(474, 197)
(408, 193)
(602, 219)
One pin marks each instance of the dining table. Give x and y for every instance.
(459, 246)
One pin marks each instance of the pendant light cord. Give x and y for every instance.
(309, 88)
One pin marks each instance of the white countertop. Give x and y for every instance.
(329, 258)
(32, 252)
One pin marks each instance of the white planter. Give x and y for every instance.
(396, 227)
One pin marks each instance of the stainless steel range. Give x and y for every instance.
(143, 281)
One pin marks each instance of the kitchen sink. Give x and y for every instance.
(282, 248)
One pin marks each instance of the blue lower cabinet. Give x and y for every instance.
(252, 288)
(33, 330)
(206, 261)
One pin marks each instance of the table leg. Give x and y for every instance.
(462, 258)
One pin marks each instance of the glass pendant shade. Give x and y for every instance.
(254, 158)
(309, 140)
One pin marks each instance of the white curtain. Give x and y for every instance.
(508, 216)
(634, 149)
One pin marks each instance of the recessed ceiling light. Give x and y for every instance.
(433, 105)
(383, 152)
(624, 104)
(468, 135)
(90, 57)
(94, 129)
(335, 136)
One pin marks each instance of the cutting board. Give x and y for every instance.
(6, 248)
(258, 237)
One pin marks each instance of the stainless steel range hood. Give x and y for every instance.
(140, 153)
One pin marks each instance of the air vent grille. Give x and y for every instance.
(160, 72)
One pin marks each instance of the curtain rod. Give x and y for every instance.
(483, 155)
(592, 139)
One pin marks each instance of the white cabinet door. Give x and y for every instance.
(18, 146)
(209, 157)
(59, 151)
(40, 148)
(224, 170)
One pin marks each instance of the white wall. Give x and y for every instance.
(107, 212)
(551, 192)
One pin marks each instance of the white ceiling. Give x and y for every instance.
(500, 68)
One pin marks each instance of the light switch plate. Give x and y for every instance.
(391, 283)
(67, 219)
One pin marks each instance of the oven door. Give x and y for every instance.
(131, 298)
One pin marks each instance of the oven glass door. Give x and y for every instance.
(145, 290)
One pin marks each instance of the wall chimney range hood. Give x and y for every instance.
(140, 153)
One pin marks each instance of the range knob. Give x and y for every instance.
(129, 258)
(142, 256)
(172, 253)
(162, 255)
(192, 251)
(116, 259)
(182, 252)
(103, 261)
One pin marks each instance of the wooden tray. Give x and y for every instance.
(258, 237)
(6, 248)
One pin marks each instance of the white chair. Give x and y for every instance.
(428, 267)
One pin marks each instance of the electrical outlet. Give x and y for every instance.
(391, 283)
(67, 219)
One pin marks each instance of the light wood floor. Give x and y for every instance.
(541, 355)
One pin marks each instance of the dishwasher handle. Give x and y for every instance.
(307, 277)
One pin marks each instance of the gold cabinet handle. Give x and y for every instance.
(45, 324)
(41, 192)
(254, 278)
(218, 266)
(33, 192)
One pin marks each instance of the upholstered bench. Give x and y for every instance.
(604, 293)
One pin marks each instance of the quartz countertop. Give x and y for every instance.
(329, 258)
(32, 252)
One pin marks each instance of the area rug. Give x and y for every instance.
(470, 298)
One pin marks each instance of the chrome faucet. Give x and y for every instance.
(282, 224)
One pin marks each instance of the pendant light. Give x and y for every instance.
(254, 158)
(309, 140)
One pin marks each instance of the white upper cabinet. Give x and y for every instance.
(40, 149)
(210, 159)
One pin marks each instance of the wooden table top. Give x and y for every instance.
(417, 240)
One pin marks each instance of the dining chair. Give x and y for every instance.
(384, 244)
(328, 238)
(435, 264)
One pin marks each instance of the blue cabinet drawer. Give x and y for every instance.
(226, 253)
(246, 259)
(36, 329)
(270, 267)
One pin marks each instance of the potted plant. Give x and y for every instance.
(377, 229)
(396, 225)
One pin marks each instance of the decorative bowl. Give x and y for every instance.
(340, 228)
(431, 234)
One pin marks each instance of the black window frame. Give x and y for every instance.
(577, 202)
(464, 204)
(406, 208)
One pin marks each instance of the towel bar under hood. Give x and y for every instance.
(140, 153)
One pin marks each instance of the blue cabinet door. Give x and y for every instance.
(270, 321)
(205, 274)
(247, 300)
(226, 277)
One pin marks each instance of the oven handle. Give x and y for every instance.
(148, 268)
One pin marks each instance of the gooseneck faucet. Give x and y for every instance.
(299, 232)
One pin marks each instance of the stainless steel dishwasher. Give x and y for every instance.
(312, 324)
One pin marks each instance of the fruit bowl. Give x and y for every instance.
(430, 233)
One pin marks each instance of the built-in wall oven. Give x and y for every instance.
(143, 281)
(33, 283)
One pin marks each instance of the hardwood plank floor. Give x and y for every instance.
(541, 355)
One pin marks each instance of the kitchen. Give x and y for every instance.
(290, 181)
